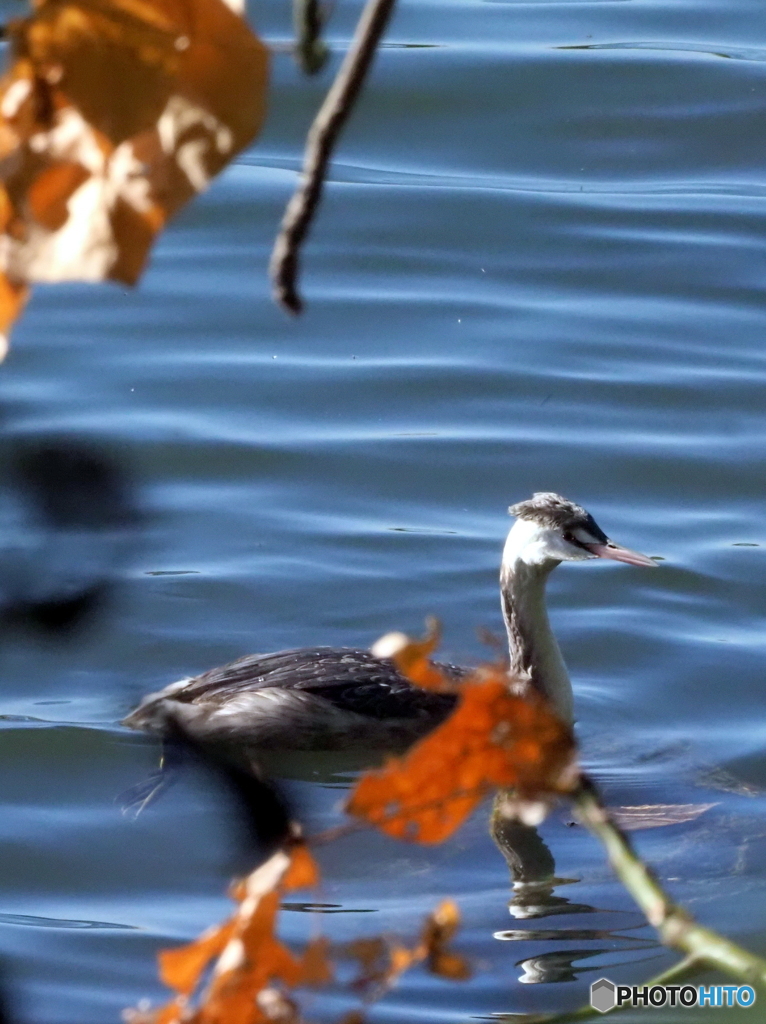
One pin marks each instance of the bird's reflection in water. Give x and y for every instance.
(534, 881)
(553, 967)
(537, 899)
(559, 965)
(533, 869)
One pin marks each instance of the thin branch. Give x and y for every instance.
(310, 52)
(322, 136)
(676, 927)
(329, 835)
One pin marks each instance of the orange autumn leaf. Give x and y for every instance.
(237, 1007)
(113, 114)
(238, 890)
(303, 872)
(170, 1014)
(412, 657)
(494, 739)
(264, 957)
(381, 961)
(255, 973)
(278, 1007)
(13, 298)
(48, 195)
(248, 953)
(237, 995)
(181, 968)
(254, 958)
(438, 932)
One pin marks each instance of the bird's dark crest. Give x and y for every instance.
(550, 509)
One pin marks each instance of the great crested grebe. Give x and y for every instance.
(329, 698)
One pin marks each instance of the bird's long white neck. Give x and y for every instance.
(534, 651)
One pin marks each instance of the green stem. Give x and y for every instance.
(676, 927)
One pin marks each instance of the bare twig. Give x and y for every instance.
(323, 135)
(310, 52)
(676, 927)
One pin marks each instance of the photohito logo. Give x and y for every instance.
(605, 995)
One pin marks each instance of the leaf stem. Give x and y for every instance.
(677, 928)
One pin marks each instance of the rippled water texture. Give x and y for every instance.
(540, 265)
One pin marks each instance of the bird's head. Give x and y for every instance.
(550, 529)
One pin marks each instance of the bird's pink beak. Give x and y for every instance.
(620, 554)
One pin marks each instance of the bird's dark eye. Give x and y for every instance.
(570, 538)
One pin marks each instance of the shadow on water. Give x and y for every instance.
(71, 523)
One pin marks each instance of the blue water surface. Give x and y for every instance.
(540, 265)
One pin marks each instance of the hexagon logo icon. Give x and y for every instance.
(603, 995)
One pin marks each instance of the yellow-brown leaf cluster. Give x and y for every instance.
(252, 969)
(113, 114)
(382, 959)
(253, 972)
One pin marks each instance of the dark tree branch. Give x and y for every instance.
(322, 137)
(310, 52)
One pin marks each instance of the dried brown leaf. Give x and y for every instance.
(113, 114)
(382, 960)
(438, 932)
(450, 966)
(412, 657)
